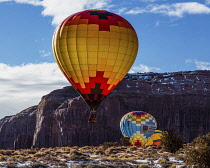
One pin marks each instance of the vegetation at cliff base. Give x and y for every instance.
(114, 154)
(198, 152)
(171, 142)
(109, 154)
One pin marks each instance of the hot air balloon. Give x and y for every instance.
(94, 49)
(139, 126)
(155, 138)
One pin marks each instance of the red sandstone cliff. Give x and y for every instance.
(178, 101)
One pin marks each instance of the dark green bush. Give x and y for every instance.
(199, 153)
(6, 152)
(100, 152)
(32, 151)
(171, 142)
(125, 141)
(202, 141)
(77, 157)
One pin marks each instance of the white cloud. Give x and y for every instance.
(200, 65)
(208, 2)
(44, 53)
(31, 2)
(23, 86)
(143, 68)
(136, 10)
(176, 9)
(151, 0)
(157, 23)
(179, 9)
(188, 61)
(121, 10)
(61, 9)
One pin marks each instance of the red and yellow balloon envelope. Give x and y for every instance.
(155, 139)
(95, 49)
(139, 126)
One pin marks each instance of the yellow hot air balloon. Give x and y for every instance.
(155, 138)
(95, 49)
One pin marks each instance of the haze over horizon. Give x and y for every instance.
(173, 36)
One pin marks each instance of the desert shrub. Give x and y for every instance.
(125, 141)
(199, 157)
(111, 150)
(49, 152)
(3, 158)
(165, 165)
(75, 155)
(38, 154)
(100, 152)
(75, 152)
(202, 141)
(6, 152)
(199, 154)
(162, 160)
(123, 156)
(114, 150)
(62, 165)
(173, 165)
(143, 166)
(145, 156)
(75, 147)
(16, 153)
(91, 166)
(11, 166)
(19, 158)
(32, 151)
(171, 142)
(133, 148)
(156, 146)
(51, 158)
(179, 157)
(38, 165)
(86, 147)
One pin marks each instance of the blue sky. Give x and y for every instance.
(174, 35)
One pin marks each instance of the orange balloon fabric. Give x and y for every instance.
(95, 49)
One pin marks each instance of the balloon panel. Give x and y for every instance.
(155, 138)
(138, 126)
(95, 49)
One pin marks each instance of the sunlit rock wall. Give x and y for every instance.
(178, 101)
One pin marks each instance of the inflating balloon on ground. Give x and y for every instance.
(155, 139)
(139, 126)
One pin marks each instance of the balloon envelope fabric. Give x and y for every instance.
(95, 49)
(138, 126)
(155, 138)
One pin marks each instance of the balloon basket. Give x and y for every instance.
(92, 118)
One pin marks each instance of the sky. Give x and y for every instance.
(174, 35)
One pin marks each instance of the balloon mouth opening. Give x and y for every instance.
(92, 118)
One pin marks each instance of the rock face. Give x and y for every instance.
(178, 101)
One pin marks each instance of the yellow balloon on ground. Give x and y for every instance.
(155, 138)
